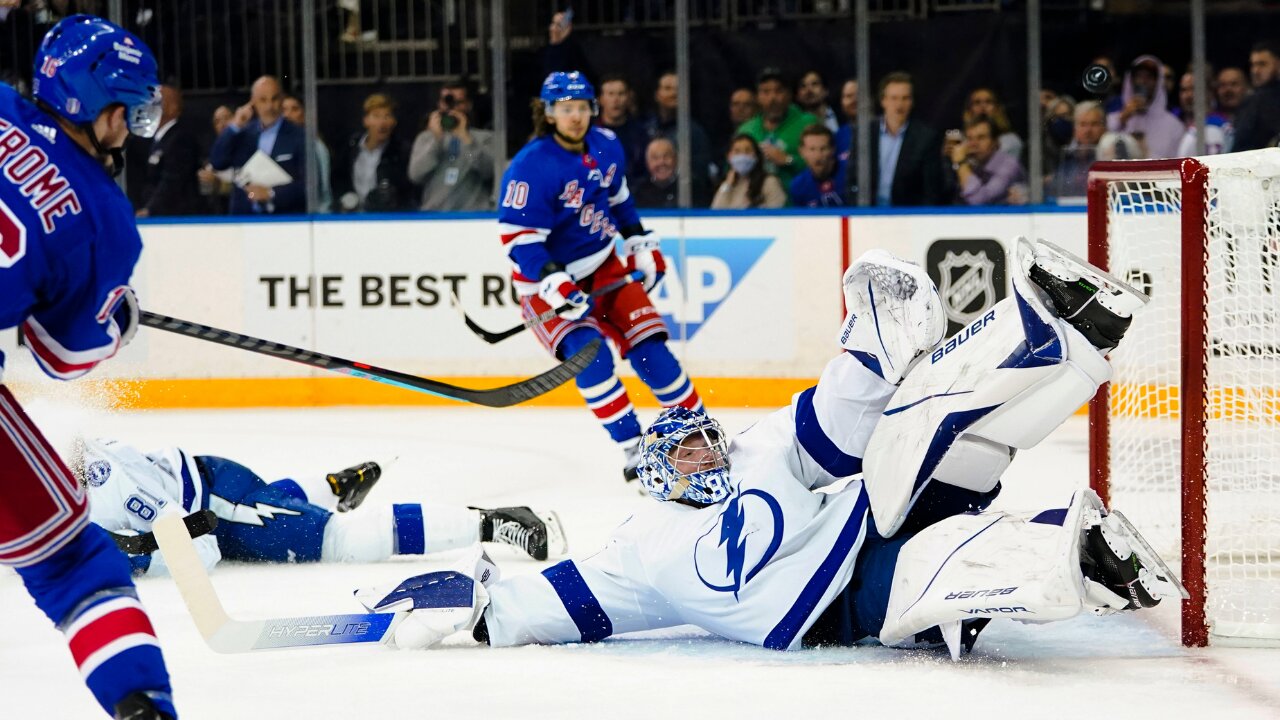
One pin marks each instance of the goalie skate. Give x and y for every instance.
(1115, 555)
(1096, 303)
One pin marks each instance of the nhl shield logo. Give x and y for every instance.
(967, 284)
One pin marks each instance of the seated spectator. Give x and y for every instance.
(1059, 125)
(451, 160)
(1214, 139)
(811, 96)
(746, 184)
(849, 105)
(1145, 115)
(296, 113)
(215, 185)
(984, 103)
(778, 126)
(1090, 142)
(659, 187)
(1257, 125)
(984, 174)
(260, 125)
(1230, 90)
(662, 123)
(615, 96)
(822, 183)
(171, 185)
(742, 106)
(371, 174)
(906, 154)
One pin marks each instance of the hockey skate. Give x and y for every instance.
(1096, 303)
(536, 534)
(353, 484)
(1115, 556)
(138, 706)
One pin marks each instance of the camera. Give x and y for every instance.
(447, 121)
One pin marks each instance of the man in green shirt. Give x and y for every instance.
(778, 126)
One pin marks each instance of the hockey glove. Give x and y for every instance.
(558, 290)
(641, 252)
(125, 315)
(439, 604)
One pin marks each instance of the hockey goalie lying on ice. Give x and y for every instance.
(741, 545)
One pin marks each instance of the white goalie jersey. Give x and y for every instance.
(129, 489)
(759, 567)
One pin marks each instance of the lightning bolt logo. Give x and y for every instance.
(246, 514)
(735, 531)
(734, 519)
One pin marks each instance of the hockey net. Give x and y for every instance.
(1185, 439)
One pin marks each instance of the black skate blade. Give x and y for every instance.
(1114, 283)
(1149, 557)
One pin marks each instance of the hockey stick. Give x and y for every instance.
(492, 337)
(226, 634)
(200, 522)
(495, 397)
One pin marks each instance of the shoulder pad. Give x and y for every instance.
(605, 132)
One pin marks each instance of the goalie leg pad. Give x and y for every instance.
(1005, 381)
(994, 564)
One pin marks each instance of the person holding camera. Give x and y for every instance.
(452, 160)
(1145, 113)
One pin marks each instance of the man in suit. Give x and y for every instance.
(906, 154)
(269, 132)
(170, 184)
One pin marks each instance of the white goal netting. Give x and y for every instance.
(1241, 441)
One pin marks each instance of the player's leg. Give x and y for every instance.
(339, 491)
(1004, 382)
(72, 570)
(1032, 567)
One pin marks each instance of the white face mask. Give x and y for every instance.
(742, 164)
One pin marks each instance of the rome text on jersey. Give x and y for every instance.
(38, 179)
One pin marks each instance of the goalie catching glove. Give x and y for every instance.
(642, 253)
(894, 317)
(558, 289)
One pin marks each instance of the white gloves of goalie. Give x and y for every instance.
(439, 604)
(895, 314)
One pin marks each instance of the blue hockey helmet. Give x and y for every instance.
(86, 64)
(684, 456)
(567, 86)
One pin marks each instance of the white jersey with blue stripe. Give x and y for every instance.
(564, 207)
(129, 489)
(759, 567)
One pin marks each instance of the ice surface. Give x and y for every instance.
(1129, 666)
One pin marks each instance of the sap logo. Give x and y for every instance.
(959, 338)
(979, 593)
(998, 610)
(748, 533)
(700, 276)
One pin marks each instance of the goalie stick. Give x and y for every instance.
(226, 634)
(494, 397)
(492, 337)
(200, 522)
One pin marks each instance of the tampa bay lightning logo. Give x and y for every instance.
(751, 520)
(97, 472)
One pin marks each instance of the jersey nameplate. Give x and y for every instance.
(38, 179)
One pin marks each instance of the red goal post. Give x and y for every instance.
(1183, 437)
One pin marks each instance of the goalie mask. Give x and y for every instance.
(684, 456)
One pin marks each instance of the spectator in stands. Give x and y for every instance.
(1145, 114)
(746, 184)
(1257, 124)
(1090, 142)
(983, 102)
(215, 185)
(259, 125)
(742, 106)
(659, 186)
(778, 126)
(846, 132)
(615, 94)
(1059, 126)
(371, 173)
(1214, 139)
(822, 182)
(984, 174)
(811, 96)
(1230, 90)
(906, 153)
(296, 112)
(451, 160)
(562, 52)
(171, 185)
(662, 123)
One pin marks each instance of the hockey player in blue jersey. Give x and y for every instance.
(564, 206)
(905, 552)
(68, 245)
